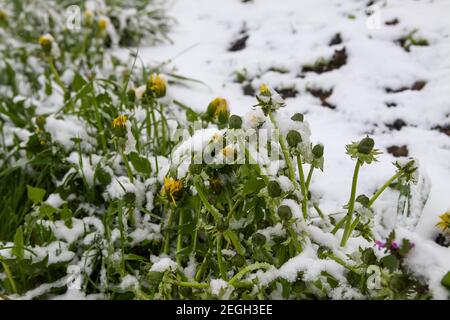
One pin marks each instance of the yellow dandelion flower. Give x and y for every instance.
(264, 90)
(3, 15)
(444, 224)
(228, 151)
(46, 42)
(102, 23)
(157, 86)
(120, 121)
(217, 103)
(171, 188)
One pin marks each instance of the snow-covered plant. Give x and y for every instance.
(111, 189)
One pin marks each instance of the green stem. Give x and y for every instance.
(10, 276)
(351, 204)
(302, 187)
(310, 173)
(127, 165)
(380, 191)
(101, 130)
(55, 74)
(338, 225)
(249, 268)
(342, 262)
(179, 237)
(167, 235)
(195, 285)
(285, 151)
(222, 270)
(293, 234)
(122, 235)
(202, 268)
(215, 213)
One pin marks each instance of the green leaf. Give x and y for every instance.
(191, 115)
(66, 215)
(18, 249)
(141, 164)
(47, 211)
(391, 262)
(232, 237)
(446, 280)
(35, 194)
(253, 185)
(102, 176)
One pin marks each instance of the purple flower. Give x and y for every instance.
(394, 245)
(380, 244)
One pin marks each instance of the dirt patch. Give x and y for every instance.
(444, 129)
(338, 59)
(397, 125)
(398, 151)
(442, 240)
(410, 40)
(417, 86)
(323, 95)
(248, 90)
(335, 40)
(392, 22)
(391, 104)
(287, 92)
(239, 44)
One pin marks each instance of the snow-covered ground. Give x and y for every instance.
(290, 34)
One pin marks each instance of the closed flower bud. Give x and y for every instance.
(156, 86)
(293, 138)
(318, 151)
(363, 199)
(235, 122)
(218, 109)
(46, 42)
(3, 16)
(274, 189)
(88, 17)
(102, 23)
(297, 117)
(214, 105)
(284, 212)
(366, 145)
(40, 122)
(259, 239)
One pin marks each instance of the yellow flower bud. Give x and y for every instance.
(119, 126)
(444, 223)
(3, 16)
(264, 90)
(46, 42)
(102, 23)
(88, 17)
(156, 86)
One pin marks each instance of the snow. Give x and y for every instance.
(65, 130)
(291, 35)
(128, 281)
(54, 200)
(162, 264)
(217, 285)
